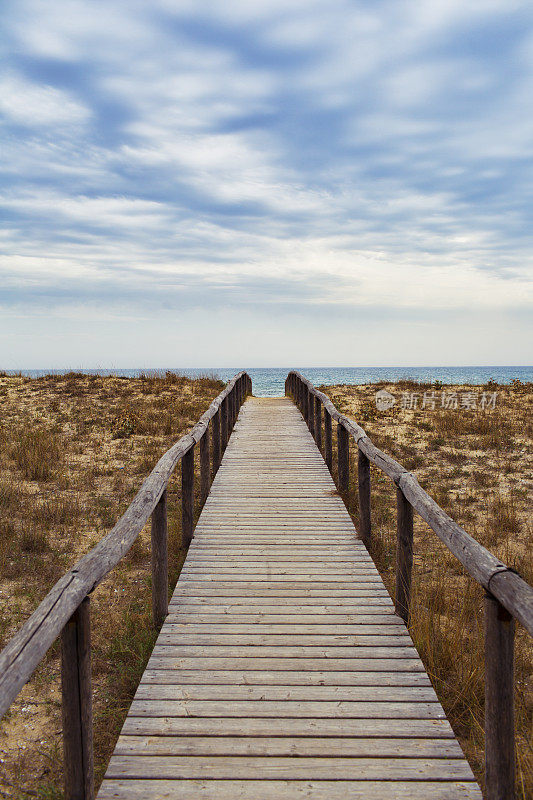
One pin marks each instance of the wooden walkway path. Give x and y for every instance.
(281, 670)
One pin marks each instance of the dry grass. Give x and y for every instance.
(74, 449)
(477, 464)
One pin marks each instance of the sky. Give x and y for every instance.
(265, 183)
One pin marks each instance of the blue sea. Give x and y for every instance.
(270, 382)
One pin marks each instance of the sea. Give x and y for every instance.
(270, 381)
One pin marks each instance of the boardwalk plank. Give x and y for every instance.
(287, 746)
(270, 727)
(282, 670)
(140, 789)
(276, 767)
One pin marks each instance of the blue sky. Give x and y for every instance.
(265, 183)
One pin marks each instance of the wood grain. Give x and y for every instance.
(25, 650)
(282, 662)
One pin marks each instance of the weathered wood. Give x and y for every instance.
(333, 593)
(233, 410)
(25, 650)
(187, 497)
(224, 425)
(363, 482)
(215, 440)
(303, 768)
(230, 626)
(289, 790)
(512, 591)
(318, 423)
(289, 694)
(295, 640)
(159, 561)
(284, 614)
(508, 587)
(404, 555)
(76, 689)
(288, 746)
(343, 459)
(311, 413)
(292, 709)
(507, 592)
(204, 467)
(177, 637)
(286, 726)
(499, 701)
(288, 651)
(326, 677)
(328, 446)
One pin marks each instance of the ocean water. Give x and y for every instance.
(270, 382)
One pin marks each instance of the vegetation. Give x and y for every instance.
(476, 463)
(74, 449)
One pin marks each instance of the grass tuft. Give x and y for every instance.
(74, 450)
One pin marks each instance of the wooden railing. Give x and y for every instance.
(507, 595)
(65, 610)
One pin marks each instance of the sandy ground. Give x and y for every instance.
(73, 452)
(471, 449)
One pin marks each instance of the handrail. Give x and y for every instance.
(507, 595)
(503, 582)
(24, 651)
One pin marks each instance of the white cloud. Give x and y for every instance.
(302, 152)
(37, 105)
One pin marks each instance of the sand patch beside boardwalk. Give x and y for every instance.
(477, 463)
(74, 450)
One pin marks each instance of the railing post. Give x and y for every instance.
(237, 400)
(204, 466)
(311, 413)
(223, 424)
(77, 705)
(363, 480)
(215, 437)
(187, 496)
(318, 423)
(343, 455)
(160, 562)
(328, 447)
(233, 407)
(499, 701)
(229, 416)
(404, 555)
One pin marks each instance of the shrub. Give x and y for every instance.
(37, 451)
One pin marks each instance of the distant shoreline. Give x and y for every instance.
(270, 381)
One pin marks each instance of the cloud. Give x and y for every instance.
(38, 106)
(322, 156)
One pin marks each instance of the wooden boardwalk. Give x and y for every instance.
(281, 670)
